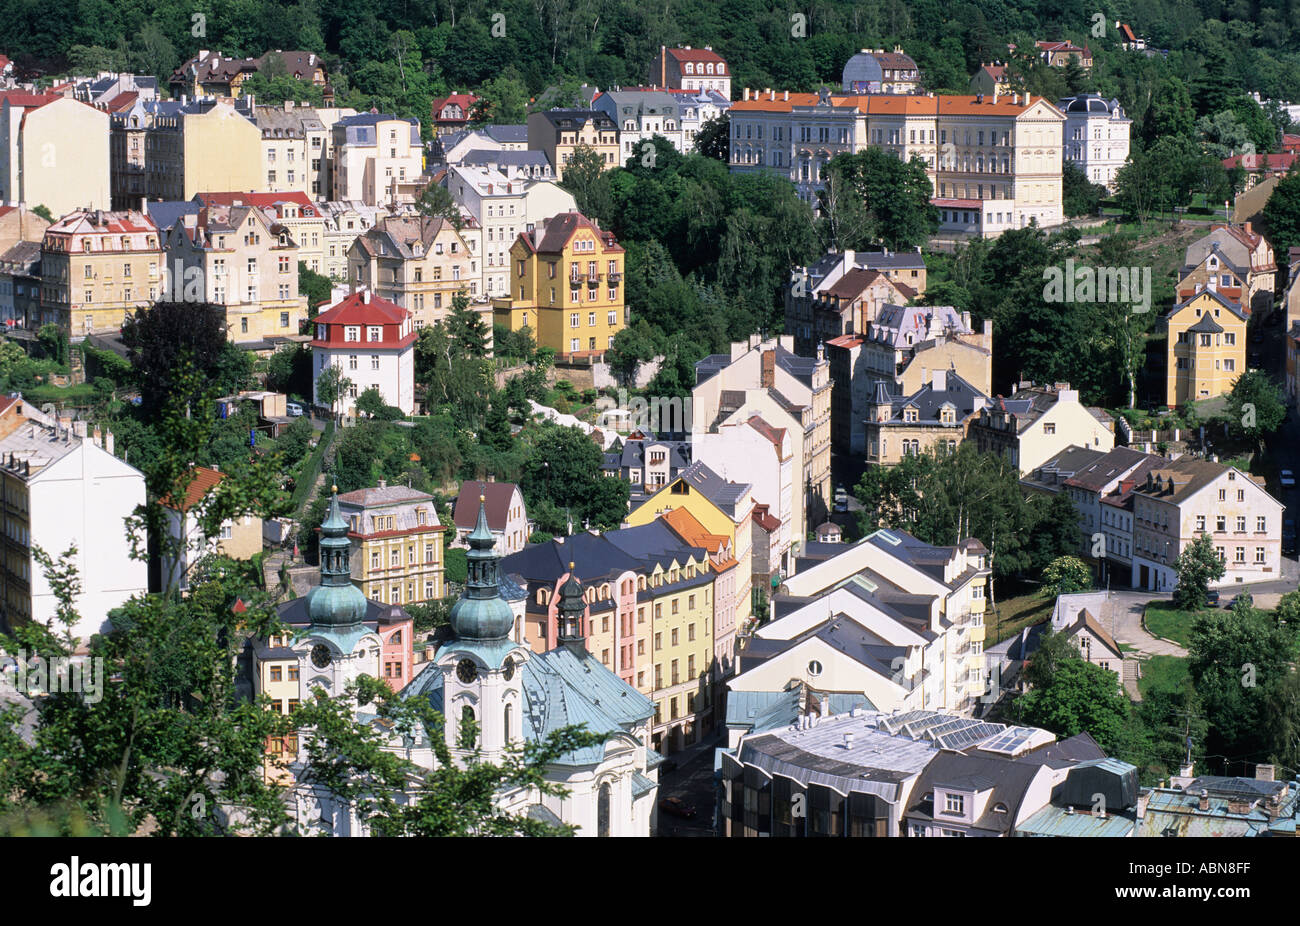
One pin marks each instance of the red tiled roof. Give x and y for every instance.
(352, 310)
(1127, 32)
(262, 201)
(28, 100)
(958, 203)
(204, 481)
(695, 54)
(766, 520)
(845, 340)
(496, 497)
(775, 435)
(464, 100)
(1280, 162)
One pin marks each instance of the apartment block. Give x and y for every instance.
(378, 160)
(61, 488)
(1206, 348)
(397, 544)
(503, 205)
(561, 132)
(689, 68)
(789, 391)
(1235, 260)
(1036, 422)
(304, 219)
(238, 538)
(1186, 498)
(874, 70)
(935, 417)
(98, 267)
(54, 151)
(417, 262)
(210, 73)
(821, 305)
(298, 147)
(506, 511)
(566, 285)
(245, 262)
(345, 221)
(994, 162)
(1096, 136)
(372, 342)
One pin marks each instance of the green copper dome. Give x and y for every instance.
(481, 613)
(336, 602)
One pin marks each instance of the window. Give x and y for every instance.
(374, 361)
(1260, 523)
(1220, 524)
(275, 673)
(954, 803)
(1259, 554)
(1200, 522)
(674, 633)
(1241, 524)
(1240, 555)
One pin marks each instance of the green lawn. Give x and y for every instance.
(1014, 614)
(1164, 673)
(1164, 620)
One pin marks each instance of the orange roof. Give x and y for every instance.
(203, 482)
(688, 527)
(892, 104)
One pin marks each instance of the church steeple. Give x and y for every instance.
(571, 609)
(481, 613)
(336, 602)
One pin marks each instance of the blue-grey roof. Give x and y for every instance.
(507, 134)
(721, 492)
(167, 213)
(488, 157)
(642, 785)
(929, 401)
(1068, 822)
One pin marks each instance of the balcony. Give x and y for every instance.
(593, 279)
(615, 277)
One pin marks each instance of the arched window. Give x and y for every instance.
(508, 729)
(603, 809)
(468, 739)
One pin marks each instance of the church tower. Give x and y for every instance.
(481, 667)
(571, 612)
(337, 646)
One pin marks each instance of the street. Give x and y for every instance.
(692, 783)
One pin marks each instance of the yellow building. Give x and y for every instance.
(98, 267)
(276, 677)
(1206, 347)
(304, 219)
(566, 285)
(561, 132)
(54, 151)
(236, 257)
(397, 544)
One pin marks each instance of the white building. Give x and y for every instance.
(640, 115)
(372, 342)
(1096, 136)
(378, 159)
(502, 206)
(64, 489)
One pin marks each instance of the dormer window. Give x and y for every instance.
(954, 803)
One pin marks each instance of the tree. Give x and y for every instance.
(169, 341)
(563, 467)
(1080, 698)
(44, 212)
(1079, 195)
(316, 287)
(585, 177)
(371, 402)
(1197, 566)
(438, 202)
(894, 194)
(1066, 575)
(713, 140)
(331, 386)
(1255, 405)
(54, 343)
(289, 370)
(504, 101)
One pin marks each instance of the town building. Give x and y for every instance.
(503, 205)
(566, 286)
(934, 418)
(1235, 260)
(451, 113)
(19, 223)
(864, 772)
(172, 149)
(1060, 54)
(452, 149)
(304, 219)
(647, 465)
(371, 341)
(344, 222)
(1261, 167)
(113, 91)
(994, 162)
(789, 391)
(20, 288)
(514, 164)
(417, 262)
(97, 268)
(54, 151)
(1096, 136)
(378, 160)
(1187, 498)
(1128, 40)
(1205, 351)
(210, 74)
(1219, 806)
(814, 315)
(1291, 306)
(1080, 617)
(507, 514)
(238, 258)
(1039, 421)
(237, 538)
(689, 68)
(64, 488)
(991, 80)
(874, 70)
(640, 115)
(397, 544)
(560, 133)
(298, 147)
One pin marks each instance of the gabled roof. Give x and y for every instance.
(1096, 474)
(353, 309)
(1007, 779)
(1234, 307)
(204, 481)
(553, 235)
(496, 498)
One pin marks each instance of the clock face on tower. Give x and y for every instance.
(466, 671)
(508, 669)
(320, 655)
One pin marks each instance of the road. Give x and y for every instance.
(691, 782)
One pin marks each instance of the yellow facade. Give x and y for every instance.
(98, 267)
(681, 643)
(16, 574)
(418, 262)
(397, 544)
(222, 150)
(1206, 348)
(561, 133)
(566, 285)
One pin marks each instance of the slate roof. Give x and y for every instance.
(928, 402)
(722, 493)
(1095, 475)
(1008, 780)
(1207, 324)
(507, 134)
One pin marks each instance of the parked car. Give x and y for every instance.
(841, 499)
(1212, 599)
(294, 409)
(676, 807)
(668, 765)
(1287, 478)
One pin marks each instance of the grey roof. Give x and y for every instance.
(928, 401)
(507, 134)
(1207, 325)
(1090, 103)
(721, 492)
(22, 257)
(633, 455)
(490, 157)
(894, 323)
(1095, 475)
(564, 118)
(1233, 307)
(1008, 780)
(167, 213)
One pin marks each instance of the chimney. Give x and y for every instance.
(1263, 772)
(1143, 800)
(746, 94)
(768, 380)
(383, 483)
(1204, 803)
(108, 441)
(79, 428)
(848, 740)
(785, 95)
(1247, 227)
(939, 381)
